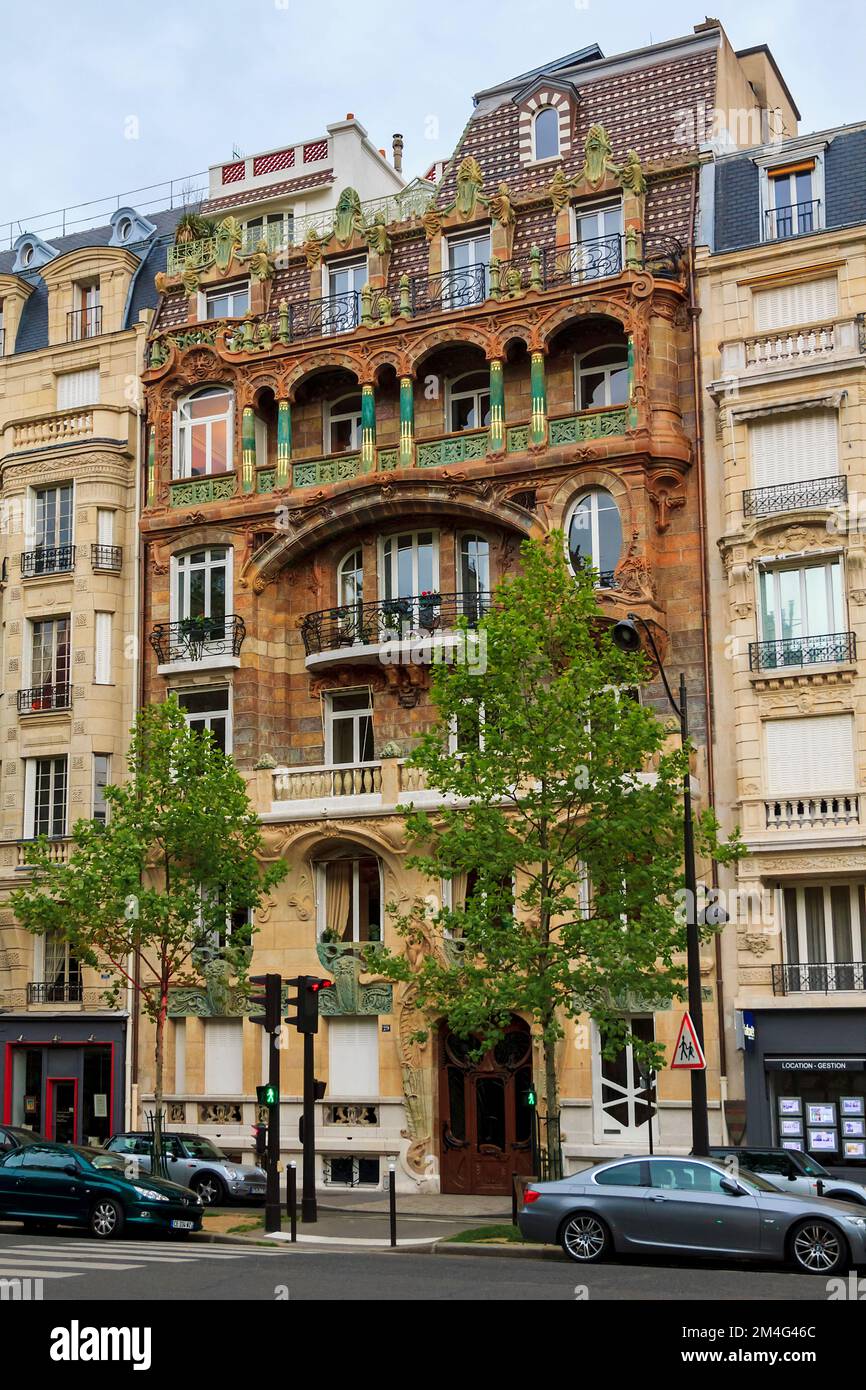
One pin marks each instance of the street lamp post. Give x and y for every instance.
(627, 638)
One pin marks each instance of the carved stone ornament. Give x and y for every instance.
(757, 943)
(348, 218)
(559, 191)
(470, 181)
(597, 156)
(631, 175)
(431, 221)
(501, 207)
(347, 962)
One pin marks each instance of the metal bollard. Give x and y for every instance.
(292, 1198)
(392, 1202)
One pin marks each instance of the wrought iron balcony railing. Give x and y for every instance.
(47, 559)
(196, 639)
(450, 289)
(51, 992)
(45, 697)
(790, 497)
(83, 323)
(797, 219)
(802, 651)
(106, 557)
(318, 318)
(583, 260)
(819, 977)
(389, 619)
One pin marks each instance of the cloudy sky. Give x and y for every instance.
(101, 98)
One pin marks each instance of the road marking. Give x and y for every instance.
(147, 1252)
(13, 1272)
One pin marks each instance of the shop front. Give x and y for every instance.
(63, 1077)
(805, 1081)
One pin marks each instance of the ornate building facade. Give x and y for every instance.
(335, 475)
(76, 312)
(783, 292)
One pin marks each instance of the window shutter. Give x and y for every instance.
(76, 389)
(104, 526)
(794, 448)
(810, 301)
(810, 757)
(102, 658)
(223, 1057)
(353, 1057)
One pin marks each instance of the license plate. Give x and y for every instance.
(258, 1191)
(183, 1225)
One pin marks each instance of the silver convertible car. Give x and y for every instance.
(692, 1206)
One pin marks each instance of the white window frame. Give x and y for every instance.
(181, 564)
(30, 765)
(474, 393)
(95, 784)
(333, 415)
(358, 596)
(352, 717)
(389, 579)
(473, 239)
(581, 371)
(184, 427)
(858, 926)
(775, 570)
(595, 542)
(230, 292)
(54, 619)
(453, 739)
(321, 867)
(767, 163)
(206, 716)
(33, 540)
(545, 158)
(105, 525)
(352, 265)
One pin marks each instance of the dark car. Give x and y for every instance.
(13, 1136)
(196, 1162)
(46, 1184)
(791, 1170)
(693, 1207)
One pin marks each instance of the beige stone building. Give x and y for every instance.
(783, 295)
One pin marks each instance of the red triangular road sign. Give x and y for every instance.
(688, 1053)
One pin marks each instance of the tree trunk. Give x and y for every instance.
(159, 1067)
(551, 1087)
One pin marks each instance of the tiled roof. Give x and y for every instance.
(270, 190)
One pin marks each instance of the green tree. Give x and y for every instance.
(147, 896)
(567, 826)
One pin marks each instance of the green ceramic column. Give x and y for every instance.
(407, 422)
(497, 407)
(630, 397)
(368, 429)
(538, 392)
(151, 467)
(284, 443)
(248, 439)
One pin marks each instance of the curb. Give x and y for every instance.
(512, 1252)
(431, 1247)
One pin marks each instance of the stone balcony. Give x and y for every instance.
(302, 792)
(807, 821)
(98, 424)
(795, 350)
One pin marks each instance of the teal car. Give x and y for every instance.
(46, 1184)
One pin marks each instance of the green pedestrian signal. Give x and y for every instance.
(532, 1097)
(267, 1095)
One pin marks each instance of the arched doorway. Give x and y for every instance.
(486, 1124)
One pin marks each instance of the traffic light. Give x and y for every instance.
(268, 1001)
(267, 1095)
(532, 1096)
(306, 1002)
(319, 1089)
(260, 1141)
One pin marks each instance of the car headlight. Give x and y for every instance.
(232, 1173)
(150, 1194)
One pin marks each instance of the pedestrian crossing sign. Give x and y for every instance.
(688, 1053)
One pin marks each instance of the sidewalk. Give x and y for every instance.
(421, 1221)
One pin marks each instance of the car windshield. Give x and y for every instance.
(203, 1148)
(754, 1180)
(810, 1167)
(100, 1158)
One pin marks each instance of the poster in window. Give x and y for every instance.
(823, 1141)
(855, 1148)
(821, 1114)
(100, 1107)
(790, 1105)
(854, 1129)
(851, 1105)
(795, 1144)
(791, 1129)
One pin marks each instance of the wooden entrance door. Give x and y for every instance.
(486, 1123)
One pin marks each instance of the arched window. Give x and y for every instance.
(601, 378)
(343, 425)
(469, 401)
(546, 130)
(595, 534)
(349, 898)
(204, 433)
(350, 579)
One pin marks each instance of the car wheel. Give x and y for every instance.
(585, 1238)
(817, 1247)
(211, 1189)
(106, 1219)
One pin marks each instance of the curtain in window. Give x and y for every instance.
(338, 893)
(458, 891)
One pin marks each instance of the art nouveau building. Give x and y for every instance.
(418, 386)
(783, 294)
(76, 312)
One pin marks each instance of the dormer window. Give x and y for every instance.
(84, 319)
(546, 133)
(124, 229)
(26, 255)
(228, 302)
(793, 201)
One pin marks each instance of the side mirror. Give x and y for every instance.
(732, 1187)
(71, 1169)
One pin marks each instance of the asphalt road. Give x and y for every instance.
(73, 1267)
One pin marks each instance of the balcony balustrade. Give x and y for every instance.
(797, 219)
(819, 977)
(414, 617)
(58, 849)
(806, 812)
(195, 640)
(792, 497)
(47, 559)
(802, 651)
(42, 698)
(322, 783)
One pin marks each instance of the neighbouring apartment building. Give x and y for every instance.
(782, 277)
(76, 312)
(352, 422)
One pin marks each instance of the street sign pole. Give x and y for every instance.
(273, 1206)
(309, 1207)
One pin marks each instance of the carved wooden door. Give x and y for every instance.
(485, 1120)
